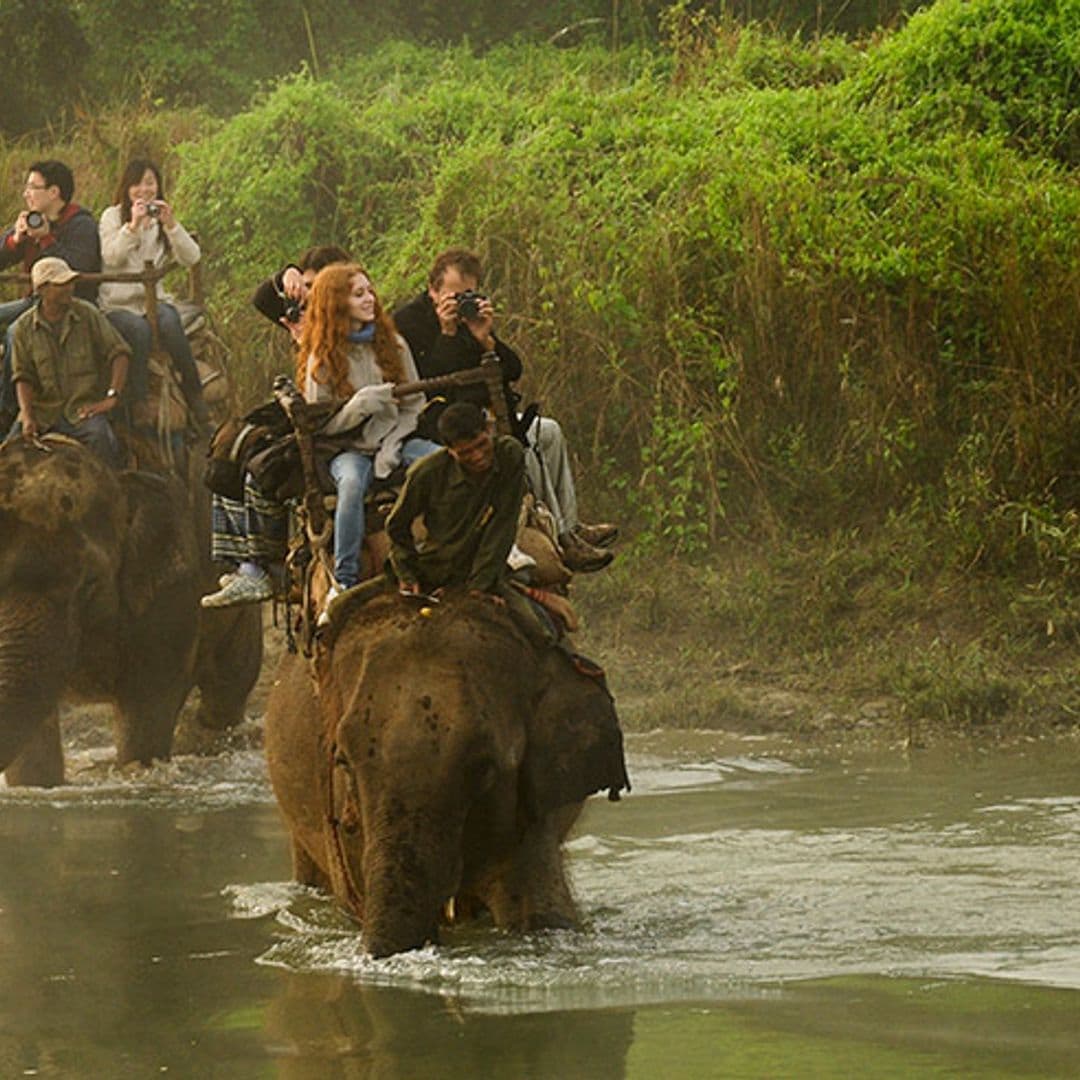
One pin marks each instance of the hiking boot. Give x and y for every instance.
(600, 536)
(581, 557)
(242, 589)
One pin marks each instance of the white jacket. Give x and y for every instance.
(124, 251)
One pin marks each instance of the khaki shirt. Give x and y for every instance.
(68, 365)
(471, 521)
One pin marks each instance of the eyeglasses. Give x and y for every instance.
(35, 187)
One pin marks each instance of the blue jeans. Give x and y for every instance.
(135, 330)
(95, 433)
(9, 312)
(352, 472)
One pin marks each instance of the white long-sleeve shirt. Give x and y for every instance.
(125, 251)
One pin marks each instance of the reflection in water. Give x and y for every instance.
(322, 1027)
(751, 911)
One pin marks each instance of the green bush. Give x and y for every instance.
(773, 297)
(1008, 68)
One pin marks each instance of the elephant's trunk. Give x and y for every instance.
(408, 877)
(35, 657)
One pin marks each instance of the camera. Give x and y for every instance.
(35, 219)
(291, 309)
(153, 210)
(468, 304)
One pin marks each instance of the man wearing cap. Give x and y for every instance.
(68, 363)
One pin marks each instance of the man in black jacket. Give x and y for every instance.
(50, 225)
(449, 327)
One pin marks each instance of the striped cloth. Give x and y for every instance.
(255, 530)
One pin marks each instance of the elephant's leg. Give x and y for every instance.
(156, 673)
(529, 891)
(230, 655)
(306, 870)
(147, 708)
(143, 726)
(41, 761)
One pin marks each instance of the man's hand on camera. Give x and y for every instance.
(446, 311)
(39, 232)
(481, 327)
(30, 427)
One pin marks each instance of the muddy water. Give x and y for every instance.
(753, 910)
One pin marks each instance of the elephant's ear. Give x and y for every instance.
(574, 743)
(159, 547)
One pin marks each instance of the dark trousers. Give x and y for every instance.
(95, 433)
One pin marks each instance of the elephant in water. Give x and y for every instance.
(428, 756)
(100, 578)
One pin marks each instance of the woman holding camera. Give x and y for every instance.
(141, 227)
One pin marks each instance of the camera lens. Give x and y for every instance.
(35, 219)
(468, 304)
(153, 210)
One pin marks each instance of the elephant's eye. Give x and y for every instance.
(340, 760)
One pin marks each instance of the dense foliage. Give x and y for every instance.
(766, 284)
(769, 285)
(63, 57)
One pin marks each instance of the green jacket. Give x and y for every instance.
(471, 521)
(68, 366)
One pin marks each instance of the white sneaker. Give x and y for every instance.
(332, 594)
(241, 589)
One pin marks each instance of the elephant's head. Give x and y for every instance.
(61, 529)
(452, 743)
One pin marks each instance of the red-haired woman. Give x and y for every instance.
(350, 352)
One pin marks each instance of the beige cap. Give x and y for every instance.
(51, 270)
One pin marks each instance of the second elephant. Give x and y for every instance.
(100, 577)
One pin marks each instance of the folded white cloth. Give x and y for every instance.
(372, 414)
(518, 559)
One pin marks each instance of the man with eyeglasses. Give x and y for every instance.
(50, 225)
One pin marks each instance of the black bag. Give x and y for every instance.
(235, 442)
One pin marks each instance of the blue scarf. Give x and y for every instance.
(363, 335)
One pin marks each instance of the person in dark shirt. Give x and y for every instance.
(449, 327)
(281, 298)
(469, 494)
(50, 225)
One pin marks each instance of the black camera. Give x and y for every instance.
(468, 304)
(153, 210)
(35, 219)
(291, 309)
